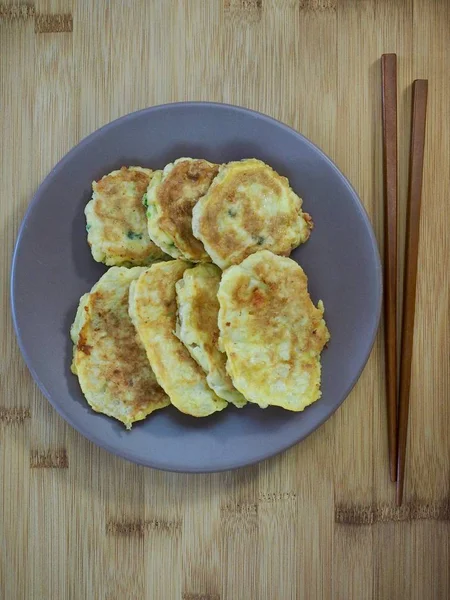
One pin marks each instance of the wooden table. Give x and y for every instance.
(319, 521)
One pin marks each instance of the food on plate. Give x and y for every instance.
(108, 357)
(116, 222)
(153, 310)
(171, 196)
(271, 331)
(180, 331)
(197, 327)
(247, 208)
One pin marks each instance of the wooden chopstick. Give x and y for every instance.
(389, 104)
(416, 154)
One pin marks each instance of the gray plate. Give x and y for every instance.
(52, 267)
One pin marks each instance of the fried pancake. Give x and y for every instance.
(108, 357)
(249, 207)
(271, 332)
(197, 327)
(171, 196)
(116, 220)
(153, 310)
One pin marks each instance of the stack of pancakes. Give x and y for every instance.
(201, 307)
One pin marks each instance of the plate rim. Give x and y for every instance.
(90, 435)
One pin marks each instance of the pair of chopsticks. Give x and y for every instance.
(398, 395)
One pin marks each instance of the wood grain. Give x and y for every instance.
(320, 520)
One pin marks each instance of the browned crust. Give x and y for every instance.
(291, 295)
(177, 195)
(128, 369)
(114, 209)
(232, 192)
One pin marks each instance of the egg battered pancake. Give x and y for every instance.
(153, 310)
(116, 220)
(108, 357)
(249, 207)
(197, 328)
(171, 196)
(271, 332)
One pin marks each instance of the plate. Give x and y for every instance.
(52, 267)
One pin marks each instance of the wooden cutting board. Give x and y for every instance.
(318, 521)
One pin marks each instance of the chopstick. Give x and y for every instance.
(416, 155)
(389, 103)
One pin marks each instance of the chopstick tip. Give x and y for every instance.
(389, 57)
(393, 471)
(421, 83)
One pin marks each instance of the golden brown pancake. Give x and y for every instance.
(108, 358)
(271, 331)
(171, 196)
(116, 220)
(249, 207)
(197, 327)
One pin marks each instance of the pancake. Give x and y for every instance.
(197, 328)
(271, 332)
(116, 222)
(171, 195)
(153, 310)
(108, 358)
(249, 207)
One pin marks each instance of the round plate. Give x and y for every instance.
(52, 267)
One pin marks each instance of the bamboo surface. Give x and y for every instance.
(320, 520)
